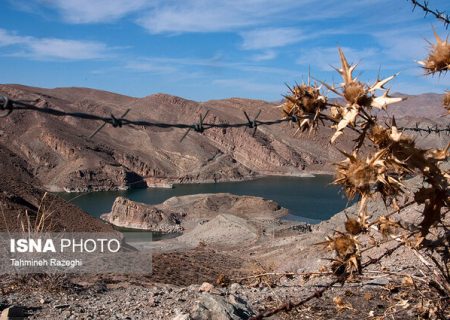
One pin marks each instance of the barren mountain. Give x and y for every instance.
(62, 157)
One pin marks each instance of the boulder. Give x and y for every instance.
(216, 307)
(135, 215)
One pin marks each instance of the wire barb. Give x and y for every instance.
(5, 106)
(197, 127)
(253, 124)
(115, 122)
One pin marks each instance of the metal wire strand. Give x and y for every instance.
(7, 106)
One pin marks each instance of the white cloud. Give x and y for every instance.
(53, 48)
(211, 65)
(404, 44)
(270, 38)
(93, 11)
(8, 38)
(150, 67)
(213, 16)
(265, 56)
(67, 49)
(172, 16)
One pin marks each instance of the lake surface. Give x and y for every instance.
(310, 199)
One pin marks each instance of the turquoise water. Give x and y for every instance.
(311, 198)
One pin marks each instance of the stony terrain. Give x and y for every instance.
(105, 300)
(213, 281)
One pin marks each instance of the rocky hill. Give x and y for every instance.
(62, 157)
(22, 202)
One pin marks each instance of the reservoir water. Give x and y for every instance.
(311, 199)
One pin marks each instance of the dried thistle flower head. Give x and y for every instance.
(387, 226)
(306, 103)
(348, 258)
(353, 91)
(438, 59)
(380, 136)
(356, 93)
(353, 226)
(359, 96)
(344, 245)
(355, 175)
(446, 101)
(389, 137)
(366, 177)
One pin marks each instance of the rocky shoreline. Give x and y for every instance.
(170, 183)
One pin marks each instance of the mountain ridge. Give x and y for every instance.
(63, 158)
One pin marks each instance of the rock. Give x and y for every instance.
(182, 316)
(235, 287)
(206, 287)
(302, 228)
(377, 282)
(13, 313)
(130, 214)
(153, 301)
(215, 307)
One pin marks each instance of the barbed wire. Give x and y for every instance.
(7, 106)
(440, 15)
(428, 129)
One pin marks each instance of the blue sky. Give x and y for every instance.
(205, 49)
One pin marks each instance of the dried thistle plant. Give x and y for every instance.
(380, 170)
(390, 157)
